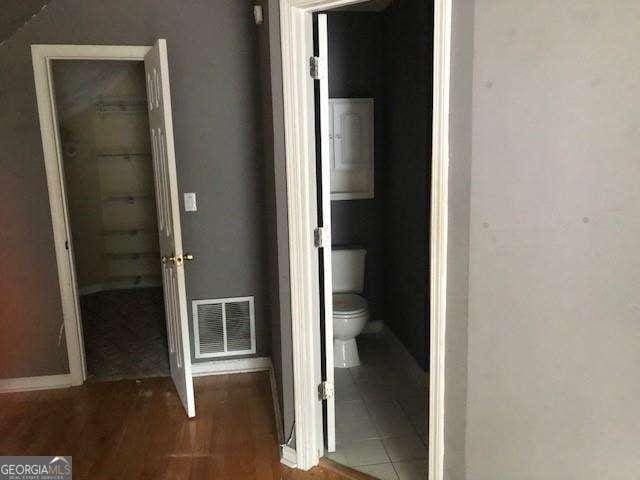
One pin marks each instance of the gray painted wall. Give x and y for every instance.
(458, 238)
(15, 13)
(553, 342)
(409, 60)
(218, 129)
(277, 278)
(356, 70)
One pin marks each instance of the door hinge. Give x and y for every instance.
(314, 67)
(325, 390)
(66, 244)
(319, 237)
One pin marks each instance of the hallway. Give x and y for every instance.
(137, 429)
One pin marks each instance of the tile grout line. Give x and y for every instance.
(397, 405)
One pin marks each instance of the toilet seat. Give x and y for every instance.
(348, 305)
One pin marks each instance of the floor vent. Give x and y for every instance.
(224, 327)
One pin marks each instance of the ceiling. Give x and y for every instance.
(15, 13)
(370, 6)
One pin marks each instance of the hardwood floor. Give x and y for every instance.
(137, 429)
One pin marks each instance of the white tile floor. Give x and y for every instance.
(381, 407)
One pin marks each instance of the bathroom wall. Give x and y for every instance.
(388, 56)
(409, 61)
(215, 89)
(356, 71)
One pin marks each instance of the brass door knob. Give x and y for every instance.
(178, 260)
(171, 259)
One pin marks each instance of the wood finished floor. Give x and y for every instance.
(137, 429)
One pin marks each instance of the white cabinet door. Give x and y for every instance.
(351, 135)
(166, 185)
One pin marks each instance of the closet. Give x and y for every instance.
(104, 131)
(109, 174)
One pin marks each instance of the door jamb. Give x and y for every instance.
(298, 93)
(42, 57)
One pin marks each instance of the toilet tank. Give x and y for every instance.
(347, 266)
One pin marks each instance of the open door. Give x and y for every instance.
(172, 257)
(324, 222)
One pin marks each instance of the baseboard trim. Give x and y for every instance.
(35, 383)
(225, 367)
(289, 457)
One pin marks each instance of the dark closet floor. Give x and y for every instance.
(125, 334)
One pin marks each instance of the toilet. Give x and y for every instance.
(350, 309)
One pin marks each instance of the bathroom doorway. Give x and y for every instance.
(105, 117)
(373, 148)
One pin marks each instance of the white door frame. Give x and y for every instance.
(42, 56)
(298, 90)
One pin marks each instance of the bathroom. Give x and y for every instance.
(380, 233)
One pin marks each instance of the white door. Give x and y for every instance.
(172, 257)
(325, 222)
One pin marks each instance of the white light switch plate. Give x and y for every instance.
(190, 202)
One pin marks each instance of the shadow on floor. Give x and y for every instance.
(125, 334)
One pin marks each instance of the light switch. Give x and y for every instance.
(190, 202)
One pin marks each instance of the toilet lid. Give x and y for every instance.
(348, 304)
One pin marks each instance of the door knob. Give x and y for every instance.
(177, 259)
(171, 259)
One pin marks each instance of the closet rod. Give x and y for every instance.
(121, 106)
(126, 156)
(127, 198)
(132, 255)
(130, 232)
(134, 278)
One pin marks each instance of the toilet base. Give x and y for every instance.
(345, 353)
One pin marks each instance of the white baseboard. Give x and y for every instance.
(237, 365)
(289, 457)
(35, 383)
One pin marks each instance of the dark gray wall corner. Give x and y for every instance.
(215, 87)
(277, 273)
(409, 59)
